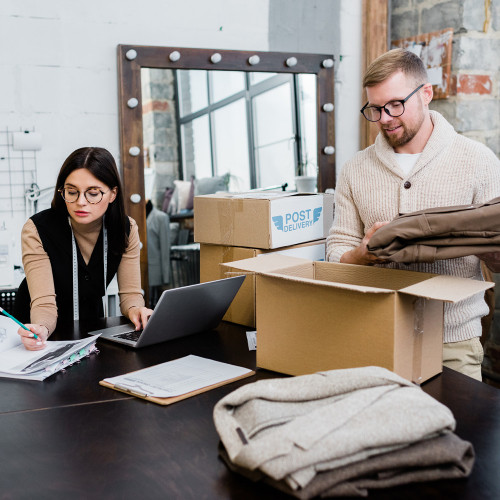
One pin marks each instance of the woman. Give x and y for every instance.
(71, 246)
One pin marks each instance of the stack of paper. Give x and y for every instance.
(17, 362)
(174, 380)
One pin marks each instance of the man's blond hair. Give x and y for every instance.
(390, 63)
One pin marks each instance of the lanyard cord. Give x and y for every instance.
(105, 261)
(76, 305)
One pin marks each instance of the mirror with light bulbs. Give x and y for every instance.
(264, 74)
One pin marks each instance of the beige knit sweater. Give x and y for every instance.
(38, 270)
(291, 428)
(452, 170)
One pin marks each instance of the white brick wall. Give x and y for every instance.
(58, 63)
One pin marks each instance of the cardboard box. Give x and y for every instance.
(262, 220)
(242, 309)
(314, 316)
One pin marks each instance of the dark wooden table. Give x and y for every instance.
(68, 437)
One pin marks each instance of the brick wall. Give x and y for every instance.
(159, 121)
(473, 106)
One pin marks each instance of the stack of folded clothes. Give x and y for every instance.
(439, 233)
(339, 433)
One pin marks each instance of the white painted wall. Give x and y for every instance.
(58, 62)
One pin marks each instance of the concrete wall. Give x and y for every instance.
(474, 103)
(58, 60)
(329, 27)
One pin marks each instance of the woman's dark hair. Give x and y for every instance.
(101, 164)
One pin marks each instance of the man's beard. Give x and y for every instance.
(408, 133)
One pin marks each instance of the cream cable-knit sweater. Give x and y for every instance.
(452, 170)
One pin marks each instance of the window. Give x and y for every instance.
(258, 127)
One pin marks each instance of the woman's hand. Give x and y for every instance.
(28, 338)
(139, 316)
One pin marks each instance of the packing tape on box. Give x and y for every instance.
(418, 332)
(227, 254)
(225, 211)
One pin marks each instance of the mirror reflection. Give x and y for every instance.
(229, 130)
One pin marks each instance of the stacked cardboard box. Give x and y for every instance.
(240, 226)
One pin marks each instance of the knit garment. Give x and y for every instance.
(292, 428)
(443, 457)
(439, 233)
(452, 170)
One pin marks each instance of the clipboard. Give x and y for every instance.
(171, 399)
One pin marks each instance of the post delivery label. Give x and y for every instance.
(296, 219)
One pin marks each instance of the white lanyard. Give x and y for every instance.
(76, 304)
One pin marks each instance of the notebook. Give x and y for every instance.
(17, 362)
(179, 312)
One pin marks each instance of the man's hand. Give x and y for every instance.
(361, 255)
(491, 259)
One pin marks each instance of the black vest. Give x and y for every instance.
(55, 234)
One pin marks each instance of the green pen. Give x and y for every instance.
(2, 310)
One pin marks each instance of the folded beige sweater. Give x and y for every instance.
(291, 428)
(443, 457)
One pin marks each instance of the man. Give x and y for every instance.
(418, 161)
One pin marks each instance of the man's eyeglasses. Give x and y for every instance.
(92, 195)
(392, 108)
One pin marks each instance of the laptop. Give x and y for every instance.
(179, 312)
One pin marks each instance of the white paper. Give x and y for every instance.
(17, 362)
(252, 341)
(27, 141)
(177, 377)
(416, 48)
(435, 75)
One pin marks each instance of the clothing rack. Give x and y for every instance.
(33, 194)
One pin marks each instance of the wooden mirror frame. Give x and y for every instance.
(132, 58)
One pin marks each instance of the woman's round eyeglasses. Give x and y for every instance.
(92, 195)
(392, 108)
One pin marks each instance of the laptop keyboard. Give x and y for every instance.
(132, 336)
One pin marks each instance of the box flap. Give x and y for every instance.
(330, 284)
(447, 288)
(267, 263)
(294, 269)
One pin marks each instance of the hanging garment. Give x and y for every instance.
(158, 234)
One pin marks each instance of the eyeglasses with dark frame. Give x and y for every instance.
(393, 108)
(92, 195)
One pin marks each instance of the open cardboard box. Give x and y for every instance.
(242, 309)
(262, 219)
(314, 316)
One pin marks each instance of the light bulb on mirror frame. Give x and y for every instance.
(174, 56)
